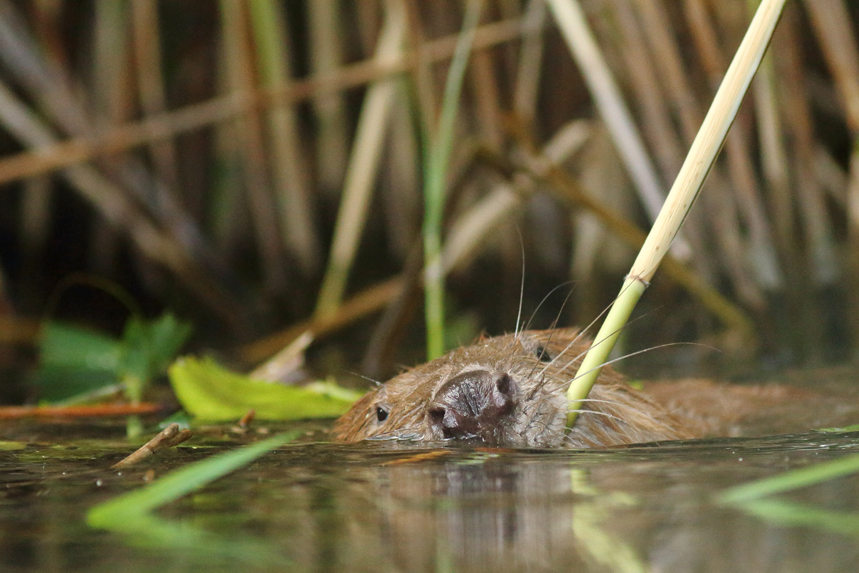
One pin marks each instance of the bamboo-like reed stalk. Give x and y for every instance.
(363, 165)
(286, 164)
(688, 184)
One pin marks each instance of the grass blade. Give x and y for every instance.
(434, 184)
(790, 480)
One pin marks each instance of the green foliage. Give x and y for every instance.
(212, 393)
(130, 514)
(147, 349)
(76, 362)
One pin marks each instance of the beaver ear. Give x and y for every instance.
(542, 354)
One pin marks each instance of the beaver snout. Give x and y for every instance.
(474, 404)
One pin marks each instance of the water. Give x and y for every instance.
(315, 506)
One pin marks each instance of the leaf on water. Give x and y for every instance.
(844, 430)
(212, 393)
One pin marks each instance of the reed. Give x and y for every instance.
(686, 187)
(235, 160)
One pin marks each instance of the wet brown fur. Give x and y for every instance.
(614, 413)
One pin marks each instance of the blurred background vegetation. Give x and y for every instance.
(255, 166)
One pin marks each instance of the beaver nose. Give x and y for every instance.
(473, 404)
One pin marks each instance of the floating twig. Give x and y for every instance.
(98, 410)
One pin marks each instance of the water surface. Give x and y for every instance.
(316, 506)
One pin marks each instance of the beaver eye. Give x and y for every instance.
(542, 354)
(381, 413)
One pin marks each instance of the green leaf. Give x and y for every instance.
(212, 393)
(845, 429)
(120, 510)
(130, 514)
(167, 334)
(75, 361)
(148, 347)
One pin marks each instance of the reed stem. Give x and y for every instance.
(438, 158)
(700, 159)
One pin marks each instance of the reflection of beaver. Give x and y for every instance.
(510, 391)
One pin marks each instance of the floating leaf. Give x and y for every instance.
(212, 393)
(844, 430)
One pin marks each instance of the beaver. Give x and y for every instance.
(510, 391)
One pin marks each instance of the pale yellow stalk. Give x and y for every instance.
(686, 187)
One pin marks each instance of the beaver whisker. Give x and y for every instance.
(606, 414)
(539, 385)
(516, 330)
(578, 336)
(527, 325)
(367, 378)
(636, 353)
(564, 351)
(616, 402)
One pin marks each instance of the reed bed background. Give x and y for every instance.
(256, 166)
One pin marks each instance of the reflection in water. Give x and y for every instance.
(645, 509)
(376, 507)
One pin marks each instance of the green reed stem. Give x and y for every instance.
(435, 169)
(702, 154)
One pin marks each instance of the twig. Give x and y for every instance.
(166, 438)
(99, 410)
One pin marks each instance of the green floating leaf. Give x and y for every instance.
(844, 430)
(212, 393)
